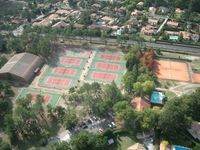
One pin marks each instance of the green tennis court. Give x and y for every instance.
(107, 66)
(49, 98)
(63, 72)
(103, 76)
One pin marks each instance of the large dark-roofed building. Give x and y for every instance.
(21, 68)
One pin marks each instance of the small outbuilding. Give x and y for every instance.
(140, 103)
(21, 68)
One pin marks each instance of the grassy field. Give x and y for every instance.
(124, 141)
(195, 64)
(170, 95)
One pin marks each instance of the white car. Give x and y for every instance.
(110, 125)
(113, 124)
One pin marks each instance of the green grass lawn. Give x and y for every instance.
(124, 142)
(170, 95)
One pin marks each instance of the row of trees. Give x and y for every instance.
(139, 78)
(35, 43)
(193, 5)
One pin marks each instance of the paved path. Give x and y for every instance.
(163, 24)
(87, 66)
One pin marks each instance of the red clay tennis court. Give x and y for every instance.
(74, 61)
(110, 57)
(103, 76)
(171, 70)
(54, 81)
(64, 71)
(107, 66)
(196, 77)
(45, 97)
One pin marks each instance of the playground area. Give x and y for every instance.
(49, 98)
(106, 67)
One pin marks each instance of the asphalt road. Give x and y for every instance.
(190, 49)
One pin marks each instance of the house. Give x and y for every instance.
(163, 10)
(148, 30)
(179, 11)
(78, 26)
(152, 10)
(186, 35)
(195, 130)
(136, 146)
(17, 21)
(75, 14)
(153, 22)
(140, 4)
(115, 27)
(107, 19)
(47, 21)
(136, 12)
(60, 24)
(172, 23)
(132, 22)
(140, 103)
(63, 12)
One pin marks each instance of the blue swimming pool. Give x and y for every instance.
(180, 148)
(157, 97)
(173, 37)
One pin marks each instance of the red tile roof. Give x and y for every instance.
(140, 103)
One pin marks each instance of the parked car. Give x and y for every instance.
(113, 124)
(110, 125)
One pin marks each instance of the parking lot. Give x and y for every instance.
(94, 124)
